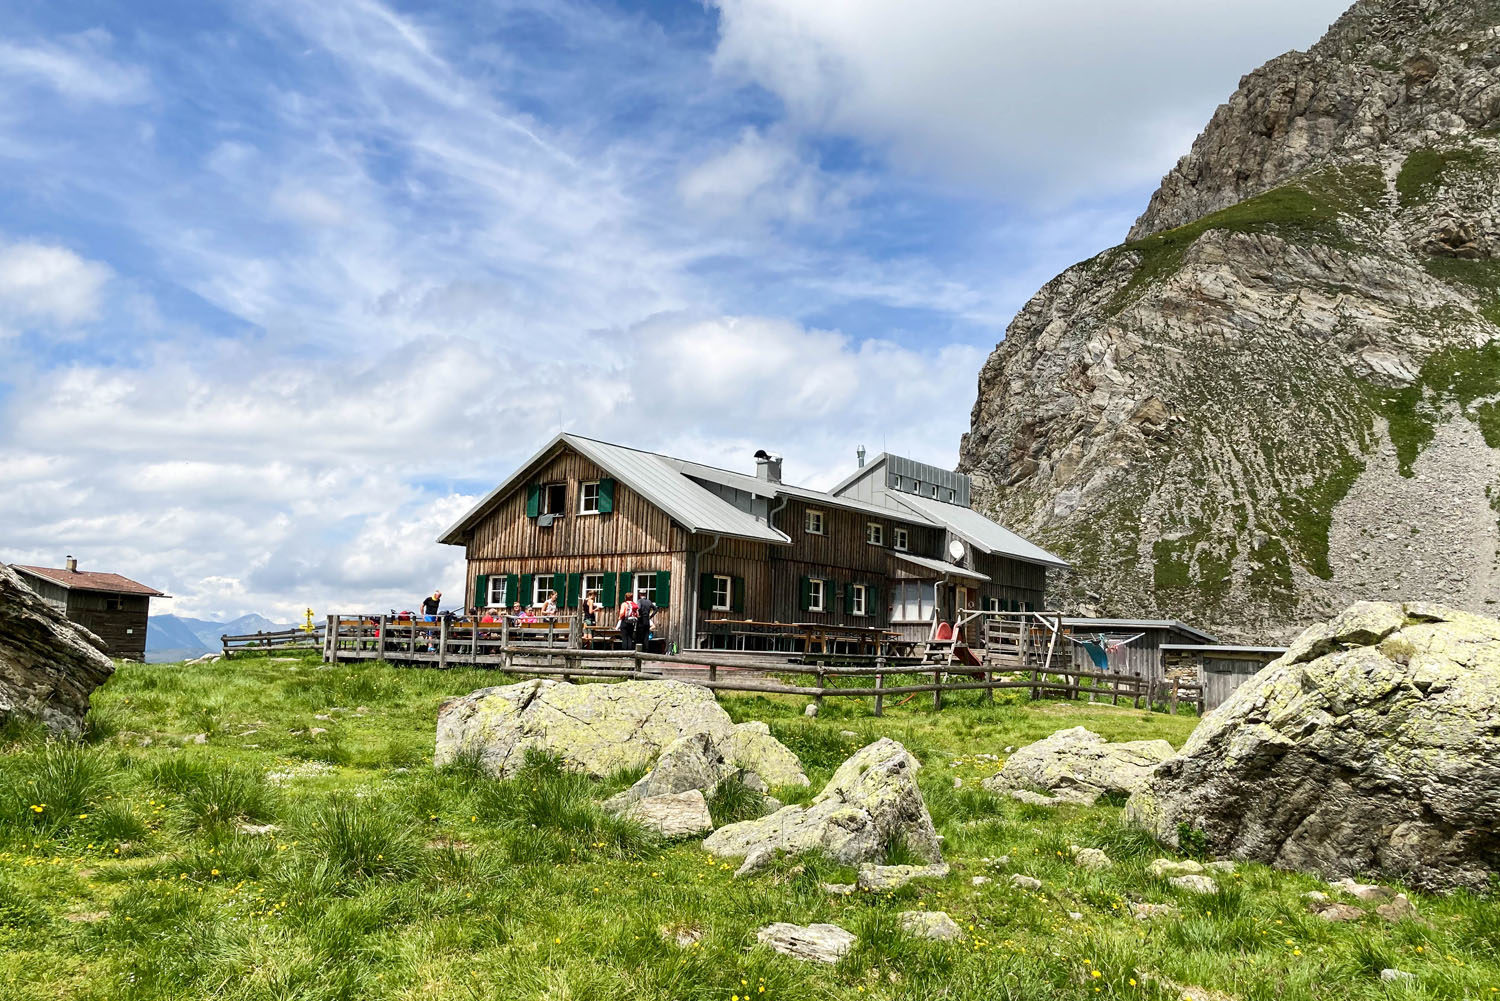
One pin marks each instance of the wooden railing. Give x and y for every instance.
(557, 650)
(283, 639)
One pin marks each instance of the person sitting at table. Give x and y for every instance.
(549, 607)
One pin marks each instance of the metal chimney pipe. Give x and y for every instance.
(860, 454)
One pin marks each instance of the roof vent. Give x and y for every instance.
(767, 466)
(72, 565)
(859, 454)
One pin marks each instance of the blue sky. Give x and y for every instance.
(284, 286)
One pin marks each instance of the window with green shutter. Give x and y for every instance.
(705, 591)
(575, 588)
(480, 596)
(739, 594)
(533, 500)
(663, 597)
(524, 594)
(607, 591)
(804, 593)
(606, 496)
(512, 590)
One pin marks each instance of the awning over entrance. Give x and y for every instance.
(939, 567)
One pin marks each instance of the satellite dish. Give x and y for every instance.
(956, 550)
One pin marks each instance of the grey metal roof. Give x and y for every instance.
(765, 488)
(653, 476)
(1172, 624)
(940, 566)
(977, 530)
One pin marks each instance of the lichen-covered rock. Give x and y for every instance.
(1193, 884)
(1371, 746)
(892, 877)
(1164, 868)
(935, 925)
(871, 801)
(1090, 858)
(49, 666)
(676, 815)
(602, 729)
(822, 943)
(1078, 766)
(751, 748)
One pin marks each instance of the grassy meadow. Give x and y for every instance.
(204, 842)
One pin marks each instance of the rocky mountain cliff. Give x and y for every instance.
(1282, 393)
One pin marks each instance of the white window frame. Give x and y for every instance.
(817, 594)
(598, 578)
(544, 505)
(539, 593)
(992, 604)
(726, 584)
(875, 533)
(912, 601)
(816, 518)
(861, 599)
(900, 539)
(952, 496)
(583, 497)
(636, 587)
(934, 491)
(497, 583)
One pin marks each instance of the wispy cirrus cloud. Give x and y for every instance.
(79, 67)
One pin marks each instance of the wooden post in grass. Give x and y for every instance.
(879, 684)
(1172, 699)
(505, 641)
(443, 643)
(937, 691)
(822, 682)
(1137, 686)
(333, 639)
(380, 640)
(474, 639)
(713, 675)
(411, 643)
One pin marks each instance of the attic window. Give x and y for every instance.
(111, 604)
(814, 523)
(554, 498)
(900, 539)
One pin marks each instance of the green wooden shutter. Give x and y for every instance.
(804, 594)
(575, 589)
(627, 585)
(481, 593)
(607, 592)
(523, 594)
(849, 597)
(664, 588)
(533, 500)
(512, 589)
(705, 591)
(606, 496)
(872, 602)
(737, 589)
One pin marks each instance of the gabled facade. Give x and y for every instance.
(707, 543)
(114, 608)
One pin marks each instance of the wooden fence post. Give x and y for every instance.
(822, 682)
(412, 639)
(474, 640)
(879, 683)
(1172, 701)
(443, 643)
(713, 675)
(1137, 686)
(333, 641)
(505, 658)
(937, 692)
(380, 639)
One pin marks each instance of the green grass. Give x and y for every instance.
(1453, 376)
(1426, 169)
(380, 877)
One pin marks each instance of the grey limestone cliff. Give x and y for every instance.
(1282, 393)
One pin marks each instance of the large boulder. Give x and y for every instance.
(48, 665)
(871, 801)
(603, 729)
(1079, 766)
(1370, 746)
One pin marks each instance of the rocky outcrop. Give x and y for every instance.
(48, 665)
(821, 943)
(1371, 746)
(1282, 393)
(674, 815)
(603, 729)
(871, 801)
(1078, 766)
(935, 925)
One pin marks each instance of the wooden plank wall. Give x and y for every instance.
(636, 537)
(123, 630)
(1011, 580)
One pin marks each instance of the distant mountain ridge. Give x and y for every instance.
(177, 637)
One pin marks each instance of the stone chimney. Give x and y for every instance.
(767, 466)
(72, 565)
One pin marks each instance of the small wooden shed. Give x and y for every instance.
(1221, 668)
(114, 608)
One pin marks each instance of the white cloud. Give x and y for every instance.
(78, 67)
(1048, 96)
(48, 284)
(766, 179)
